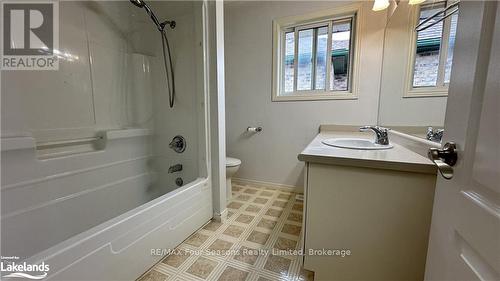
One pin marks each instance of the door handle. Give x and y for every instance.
(444, 158)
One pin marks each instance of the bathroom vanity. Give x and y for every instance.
(376, 205)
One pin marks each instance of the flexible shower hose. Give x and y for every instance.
(170, 78)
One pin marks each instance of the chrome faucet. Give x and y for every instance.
(381, 134)
(175, 168)
(434, 135)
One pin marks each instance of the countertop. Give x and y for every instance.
(397, 158)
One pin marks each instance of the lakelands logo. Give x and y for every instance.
(23, 270)
(30, 35)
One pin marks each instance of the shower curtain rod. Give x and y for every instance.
(421, 27)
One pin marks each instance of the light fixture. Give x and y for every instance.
(415, 2)
(380, 5)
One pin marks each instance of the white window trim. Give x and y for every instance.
(425, 92)
(279, 25)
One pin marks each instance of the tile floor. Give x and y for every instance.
(263, 225)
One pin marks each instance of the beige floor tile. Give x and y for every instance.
(177, 258)
(243, 197)
(284, 196)
(278, 264)
(274, 212)
(234, 231)
(285, 244)
(154, 276)
(258, 237)
(212, 225)
(260, 200)
(202, 267)
(220, 245)
(279, 203)
(245, 218)
(246, 255)
(297, 217)
(233, 274)
(197, 239)
(266, 193)
(253, 209)
(291, 229)
(265, 223)
(250, 191)
(245, 210)
(235, 205)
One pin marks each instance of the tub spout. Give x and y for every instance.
(175, 168)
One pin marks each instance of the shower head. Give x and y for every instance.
(160, 26)
(164, 41)
(138, 3)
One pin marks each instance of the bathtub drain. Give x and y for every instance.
(179, 181)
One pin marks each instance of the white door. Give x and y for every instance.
(465, 232)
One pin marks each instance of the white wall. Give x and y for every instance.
(271, 155)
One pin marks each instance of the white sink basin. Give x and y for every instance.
(354, 143)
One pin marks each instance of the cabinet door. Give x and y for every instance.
(381, 216)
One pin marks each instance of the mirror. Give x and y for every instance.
(416, 68)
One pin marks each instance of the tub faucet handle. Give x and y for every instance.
(178, 144)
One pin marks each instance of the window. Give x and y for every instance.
(433, 53)
(314, 58)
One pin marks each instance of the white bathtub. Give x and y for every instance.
(89, 215)
(120, 249)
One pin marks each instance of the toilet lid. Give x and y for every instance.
(231, 162)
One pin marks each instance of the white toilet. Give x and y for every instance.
(232, 166)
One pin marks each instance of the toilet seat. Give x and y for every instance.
(232, 162)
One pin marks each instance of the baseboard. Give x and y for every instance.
(222, 217)
(292, 188)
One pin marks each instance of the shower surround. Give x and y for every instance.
(85, 154)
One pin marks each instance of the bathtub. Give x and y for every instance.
(121, 248)
(98, 208)
(64, 231)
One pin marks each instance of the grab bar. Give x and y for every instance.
(50, 144)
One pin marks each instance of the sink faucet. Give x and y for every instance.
(381, 135)
(434, 135)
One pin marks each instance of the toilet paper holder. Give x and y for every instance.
(254, 129)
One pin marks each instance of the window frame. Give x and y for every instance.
(441, 88)
(313, 20)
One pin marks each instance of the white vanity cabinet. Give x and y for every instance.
(371, 204)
